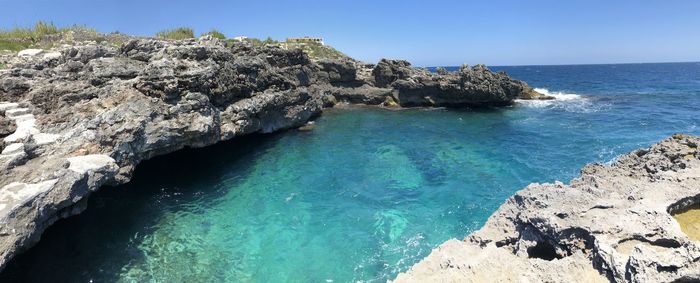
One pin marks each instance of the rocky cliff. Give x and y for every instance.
(613, 223)
(84, 115)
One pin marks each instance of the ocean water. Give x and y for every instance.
(364, 195)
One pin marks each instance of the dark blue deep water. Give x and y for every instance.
(366, 194)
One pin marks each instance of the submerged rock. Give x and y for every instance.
(308, 127)
(529, 93)
(613, 223)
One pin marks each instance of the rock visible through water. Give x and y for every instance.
(612, 223)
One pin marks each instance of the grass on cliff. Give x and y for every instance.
(20, 38)
(313, 50)
(215, 34)
(176, 34)
(318, 51)
(41, 35)
(45, 35)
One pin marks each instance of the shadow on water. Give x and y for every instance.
(114, 213)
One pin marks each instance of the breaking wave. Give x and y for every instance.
(569, 102)
(559, 95)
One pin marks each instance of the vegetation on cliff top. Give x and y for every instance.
(322, 51)
(21, 38)
(43, 35)
(176, 34)
(215, 34)
(46, 35)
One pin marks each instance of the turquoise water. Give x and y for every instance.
(364, 195)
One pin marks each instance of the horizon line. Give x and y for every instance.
(573, 64)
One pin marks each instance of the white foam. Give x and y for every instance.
(569, 102)
(559, 95)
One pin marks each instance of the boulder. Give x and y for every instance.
(337, 71)
(388, 71)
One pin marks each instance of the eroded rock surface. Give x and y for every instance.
(468, 86)
(612, 223)
(75, 118)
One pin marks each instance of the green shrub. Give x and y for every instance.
(40, 29)
(269, 40)
(178, 33)
(317, 51)
(13, 46)
(255, 41)
(78, 28)
(17, 34)
(215, 34)
(21, 38)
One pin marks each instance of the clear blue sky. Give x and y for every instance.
(428, 33)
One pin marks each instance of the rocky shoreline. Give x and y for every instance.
(84, 115)
(613, 223)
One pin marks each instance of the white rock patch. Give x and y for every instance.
(26, 125)
(7, 105)
(16, 193)
(13, 148)
(92, 162)
(29, 52)
(52, 55)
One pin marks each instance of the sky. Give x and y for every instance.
(427, 33)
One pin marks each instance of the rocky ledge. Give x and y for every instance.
(613, 223)
(84, 115)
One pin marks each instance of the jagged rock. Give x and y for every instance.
(7, 126)
(476, 86)
(612, 223)
(389, 101)
(387, 71)
(337, 71)
(529, 93)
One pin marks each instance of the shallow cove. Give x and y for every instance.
(364, 195)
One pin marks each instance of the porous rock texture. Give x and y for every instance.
(84, 115)
(467, 86)
(612, 223)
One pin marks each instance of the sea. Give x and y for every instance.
(364, 195)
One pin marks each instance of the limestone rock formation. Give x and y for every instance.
(612, 223)
(83, 115)
(465, 87)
